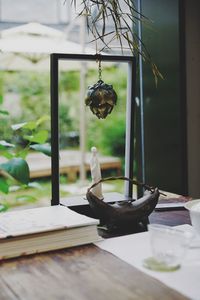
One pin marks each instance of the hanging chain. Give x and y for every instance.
(100, 70)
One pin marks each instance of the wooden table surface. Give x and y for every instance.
(83, 273)
(171, 217)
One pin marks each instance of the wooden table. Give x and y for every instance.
(83, 273)
(171, 217)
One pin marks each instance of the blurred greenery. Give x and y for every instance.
(26, 196)
(25, 96)
(14, 169)
(109, 135)
(39, 191)
(31, 92)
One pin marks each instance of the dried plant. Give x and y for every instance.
(113, 23)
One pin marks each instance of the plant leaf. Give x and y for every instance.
(6, 144)
(6, 153)
(31, 125)
(121, 18)
(18, 126)
(43, 119)
(44, 148)
(4, 186)
(4, 112)
(3, 207)
(23, 153)
(40, 137)
(18, 169)
(35, 185)
(25, 198)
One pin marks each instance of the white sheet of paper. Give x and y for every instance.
(135, 248)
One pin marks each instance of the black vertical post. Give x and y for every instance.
(54, 130)
(141, 96)
(130, 122)
(183, 97)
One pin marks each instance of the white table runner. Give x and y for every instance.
(135, 248)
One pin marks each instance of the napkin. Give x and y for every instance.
(134, 248)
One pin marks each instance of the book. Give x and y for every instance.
(43, 229)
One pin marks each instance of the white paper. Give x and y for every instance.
(96, 173)
(135, 248)
(41, 219)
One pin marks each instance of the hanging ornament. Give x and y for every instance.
(101, 97)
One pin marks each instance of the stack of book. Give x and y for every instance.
(43, 229)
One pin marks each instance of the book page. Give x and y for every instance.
(41, 219)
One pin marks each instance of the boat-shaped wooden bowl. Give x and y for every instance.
(127, 214)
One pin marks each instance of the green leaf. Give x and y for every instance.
(25, 198)
(40, 137)
(35, 185)
(4, 186)
(6, 144)
(42, 119)
(3, 207)
(4, 112)
(15, 188)
(18, 126)
(31, 125)
(34, 124)
(23, 153)
(18, 169)
(44, 148)
(6, 153)
(27, 125)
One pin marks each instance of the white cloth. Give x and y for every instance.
(96, 173)
(135, 248)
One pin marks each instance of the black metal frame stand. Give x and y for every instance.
(130, 112)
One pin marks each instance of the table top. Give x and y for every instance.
(84, 272)
(171, 217)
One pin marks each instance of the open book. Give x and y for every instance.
(43, 229)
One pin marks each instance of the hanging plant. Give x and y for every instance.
(112, 21)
